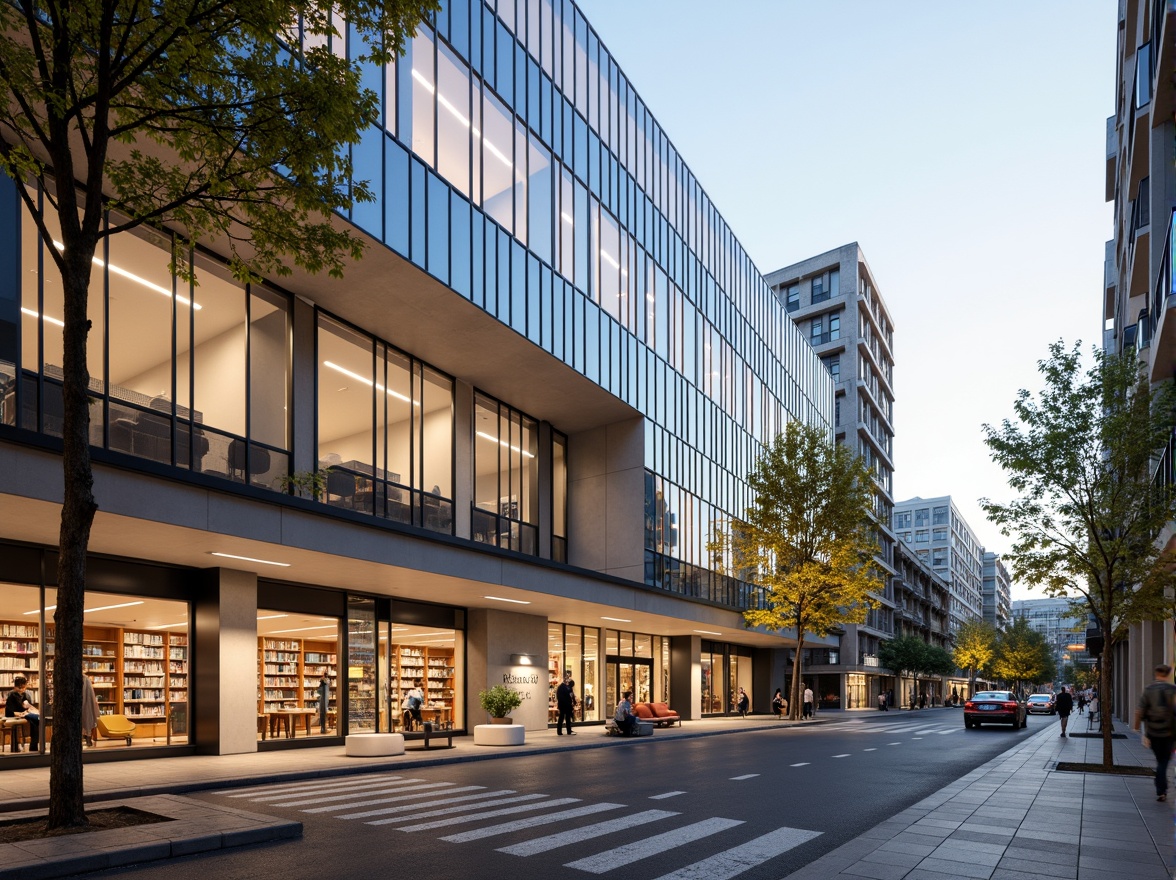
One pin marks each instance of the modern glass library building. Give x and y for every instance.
(528, 406)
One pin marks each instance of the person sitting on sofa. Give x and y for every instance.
(18, 706)
(626, 720)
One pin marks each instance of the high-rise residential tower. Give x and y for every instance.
(997, 593)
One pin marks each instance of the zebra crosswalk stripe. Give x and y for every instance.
(317, 785)
(736, 860)
(428, 811)
(303, 801)
(652, 846)
(587, 832)
(416, 795)
(530, 822)
(489, 814)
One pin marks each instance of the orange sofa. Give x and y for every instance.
(659, 713)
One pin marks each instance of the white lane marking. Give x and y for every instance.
(894, 744)
(303, 801)
(489, 814)
(841, 756)
(946, 732)
(415, 796)
(745, 857)
(449, 811)
(869, 750)
(587, 832)
(914, 738)
(926, 730)
(322, 786)
(651, 846)
(801, 764)
(744, 776)
(530, 822)
(668, 794)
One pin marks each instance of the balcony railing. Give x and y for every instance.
(1163, 290)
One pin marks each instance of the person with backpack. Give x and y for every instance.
(1157, 710)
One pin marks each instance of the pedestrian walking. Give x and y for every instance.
(744, 703)
(1081, 702)
(565, 701)
(923, 700)
(882, 707)
(1064, 703)
(1157, 710)
(807, 703)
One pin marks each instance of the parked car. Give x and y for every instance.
(995, 707)
(1042, 704)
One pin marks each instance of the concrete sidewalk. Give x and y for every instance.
(1014, 818)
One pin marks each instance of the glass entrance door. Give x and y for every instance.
(628, 675)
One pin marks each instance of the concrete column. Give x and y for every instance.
(493, 636)
(686, 676)
(225, 663)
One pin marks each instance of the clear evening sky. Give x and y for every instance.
(963, 145)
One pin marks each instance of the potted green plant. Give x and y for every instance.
(498, 702)
(305, 484)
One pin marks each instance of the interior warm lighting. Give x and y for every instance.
(271, 616)
(169, 625)
(617, 619)
(33, 314)
(368, 382)
(459, 116)
(38, 610)
(131, 276)
(110, 607)
(251, 559)
(299, 629)
(514, 601)
(494, 439)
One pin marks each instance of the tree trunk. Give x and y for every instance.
(66, 805)
(794, 704)
(1105, 715)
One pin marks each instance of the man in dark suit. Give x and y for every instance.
(565, 701)
(1064, 703)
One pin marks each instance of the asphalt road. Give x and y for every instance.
(755, 805)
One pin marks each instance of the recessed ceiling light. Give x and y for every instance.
(500, 599)
(707, 632)
(109, 607)
(274, 632)
(251, 559)
(271, 616)
(617, 619)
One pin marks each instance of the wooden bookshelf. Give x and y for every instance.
(434, 667)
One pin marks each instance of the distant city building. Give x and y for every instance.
(1054, 619)
(943, 538)
(997, 594)
(834, 300)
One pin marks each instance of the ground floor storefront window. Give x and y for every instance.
(575, 649)
(136, 664)
(636, 662)
(725, 668)
(298, 674)
(424, 672)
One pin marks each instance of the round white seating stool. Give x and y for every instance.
(499, 734)
(374, 745)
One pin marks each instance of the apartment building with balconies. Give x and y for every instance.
(1139, 290)
(834, 300)
(997, 591)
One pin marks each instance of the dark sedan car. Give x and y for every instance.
(995, 707)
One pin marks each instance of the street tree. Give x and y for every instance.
(975, 646)
(906, 657)
(1023, 656)
(229, 123)
(808, 540)
(1079, 455)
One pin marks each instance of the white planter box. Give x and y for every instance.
(499, 734)
(374, 745)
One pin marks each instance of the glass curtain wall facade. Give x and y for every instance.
(191, 375)
(540, 188)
